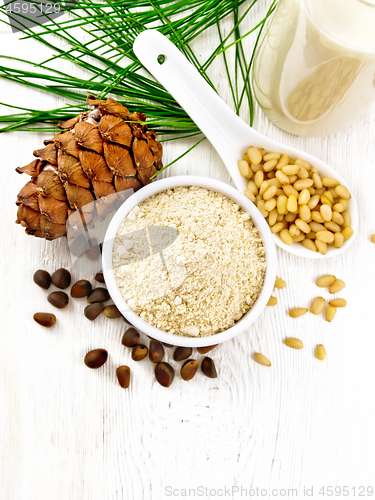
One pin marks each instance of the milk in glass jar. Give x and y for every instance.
(314, 69)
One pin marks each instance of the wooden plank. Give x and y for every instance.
(71, 433)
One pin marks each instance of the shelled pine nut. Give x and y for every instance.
(330, 313)
(294, 343)
(297, 312)
(321, 246)
(310, 245)
(261, 359)
(245, 169)
(321, 352)
(338, 303)
(254, 155)
(337, 286)
(301, 196)
(347, 233)
(294, 230)
(272, 301)
(339, 240)
(279, 283)
(326, 280)
(318, 305)
(286, 236)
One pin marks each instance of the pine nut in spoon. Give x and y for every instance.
(230, 136)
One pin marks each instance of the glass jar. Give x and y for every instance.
(314, 69)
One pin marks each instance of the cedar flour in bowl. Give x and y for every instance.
(188, 262)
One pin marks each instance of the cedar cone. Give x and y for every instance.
(100, 153)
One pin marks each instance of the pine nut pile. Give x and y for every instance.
(298, 204)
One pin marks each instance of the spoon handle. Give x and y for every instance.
(222, 127)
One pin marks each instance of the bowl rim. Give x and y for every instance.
(213, 185)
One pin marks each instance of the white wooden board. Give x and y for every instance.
(67, 432)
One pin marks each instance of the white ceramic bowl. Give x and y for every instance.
(213, 185)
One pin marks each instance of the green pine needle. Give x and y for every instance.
(111, 67)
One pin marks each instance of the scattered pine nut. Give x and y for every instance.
(297, 312)
(326, 280)
(280, 283)
(321, 352)
(272, 301)
(330, 313)
(337, 286)
(338, 303)
(294, 343)
(261, 359)
(317, 305)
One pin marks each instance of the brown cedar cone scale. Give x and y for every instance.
(99, 153)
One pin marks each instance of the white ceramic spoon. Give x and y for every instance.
(228, 134)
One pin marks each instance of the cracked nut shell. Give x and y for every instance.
(58, 299)
(130, 337)
(208, 367)
(42, 278)
(98, 295)
(139, 352)
(164, 374)
(45, 319)
(93, 310)
(61, 278)
(123, 376)
(96, 358)
(189, 369)
(81, 288)
(156, 351)
(181, 353)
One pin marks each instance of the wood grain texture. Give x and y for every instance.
(68, 432)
